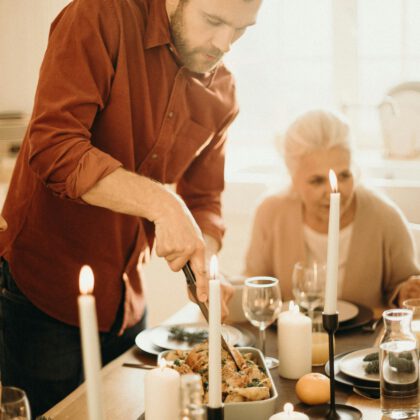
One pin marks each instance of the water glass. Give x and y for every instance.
(14, 404)
(308, 285)
(399, 366)
(414, 305)
(261, 302)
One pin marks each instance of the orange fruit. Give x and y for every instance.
(313, 388)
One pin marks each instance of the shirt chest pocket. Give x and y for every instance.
(191, 139)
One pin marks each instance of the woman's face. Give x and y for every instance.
(311, 181)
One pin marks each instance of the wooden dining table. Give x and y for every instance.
(123, 387)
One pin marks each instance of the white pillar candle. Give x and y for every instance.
(90, 344)
(215, 340)
(289, 414)
(330, 306)
(294, 332)
(162, 394)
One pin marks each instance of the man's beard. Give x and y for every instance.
(190, 57)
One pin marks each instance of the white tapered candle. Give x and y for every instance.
(90, 343)
(215, 340)
(330, 306)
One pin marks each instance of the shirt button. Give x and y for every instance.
(154, 156)
(170, 114)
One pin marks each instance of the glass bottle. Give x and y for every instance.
(192, 407)
(399, 366)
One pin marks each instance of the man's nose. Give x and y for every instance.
(223, 39)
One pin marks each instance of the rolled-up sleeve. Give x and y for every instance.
(74, 84)
(203, 182)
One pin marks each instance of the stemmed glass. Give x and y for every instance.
(308, 284)
(261, 302)
(14, 404)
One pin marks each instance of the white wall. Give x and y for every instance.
(24, 26)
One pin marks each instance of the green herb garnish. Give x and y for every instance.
(371, 357)
(372, 367)
(181, 334)
(254, 382)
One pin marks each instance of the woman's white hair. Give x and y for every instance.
(314, 130)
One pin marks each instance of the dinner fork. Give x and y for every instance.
(372, 325)
(371, 394)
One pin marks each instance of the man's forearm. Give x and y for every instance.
(129, 193)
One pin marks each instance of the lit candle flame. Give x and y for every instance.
(293, 307)
(214, 267)
(288, 408)
(333, 181)
(86, 280)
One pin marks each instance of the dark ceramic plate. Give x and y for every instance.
(364, 315)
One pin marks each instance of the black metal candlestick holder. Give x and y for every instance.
(332, 410)
(215, 413)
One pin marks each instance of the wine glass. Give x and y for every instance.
(308, 284)
(261, 302)
(14, 404)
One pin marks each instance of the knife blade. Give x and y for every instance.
(192, 286)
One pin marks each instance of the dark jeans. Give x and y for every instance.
(42, 355)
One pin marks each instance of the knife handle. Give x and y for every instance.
(189, 274)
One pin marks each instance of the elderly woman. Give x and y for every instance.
(377, 264)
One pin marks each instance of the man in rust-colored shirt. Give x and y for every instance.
(132, 95)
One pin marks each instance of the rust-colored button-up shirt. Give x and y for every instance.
(110, 94)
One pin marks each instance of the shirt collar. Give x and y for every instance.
(157, 30)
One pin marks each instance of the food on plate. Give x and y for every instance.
(372, 367)
(402, 362)
(371, 357)
(313, 388)
(250, 383)
(191, 337)
(372, 363)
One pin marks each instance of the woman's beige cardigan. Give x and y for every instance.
(381, 254)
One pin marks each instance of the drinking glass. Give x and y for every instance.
(308, 285)
(14, 404)
(261, 302)
(414, 305)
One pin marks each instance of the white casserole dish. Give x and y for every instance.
(250, 410)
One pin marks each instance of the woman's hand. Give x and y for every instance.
(409, 290)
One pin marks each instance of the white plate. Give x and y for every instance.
(160, 336)
(143, 342)
(353, 365)
(346, 310)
